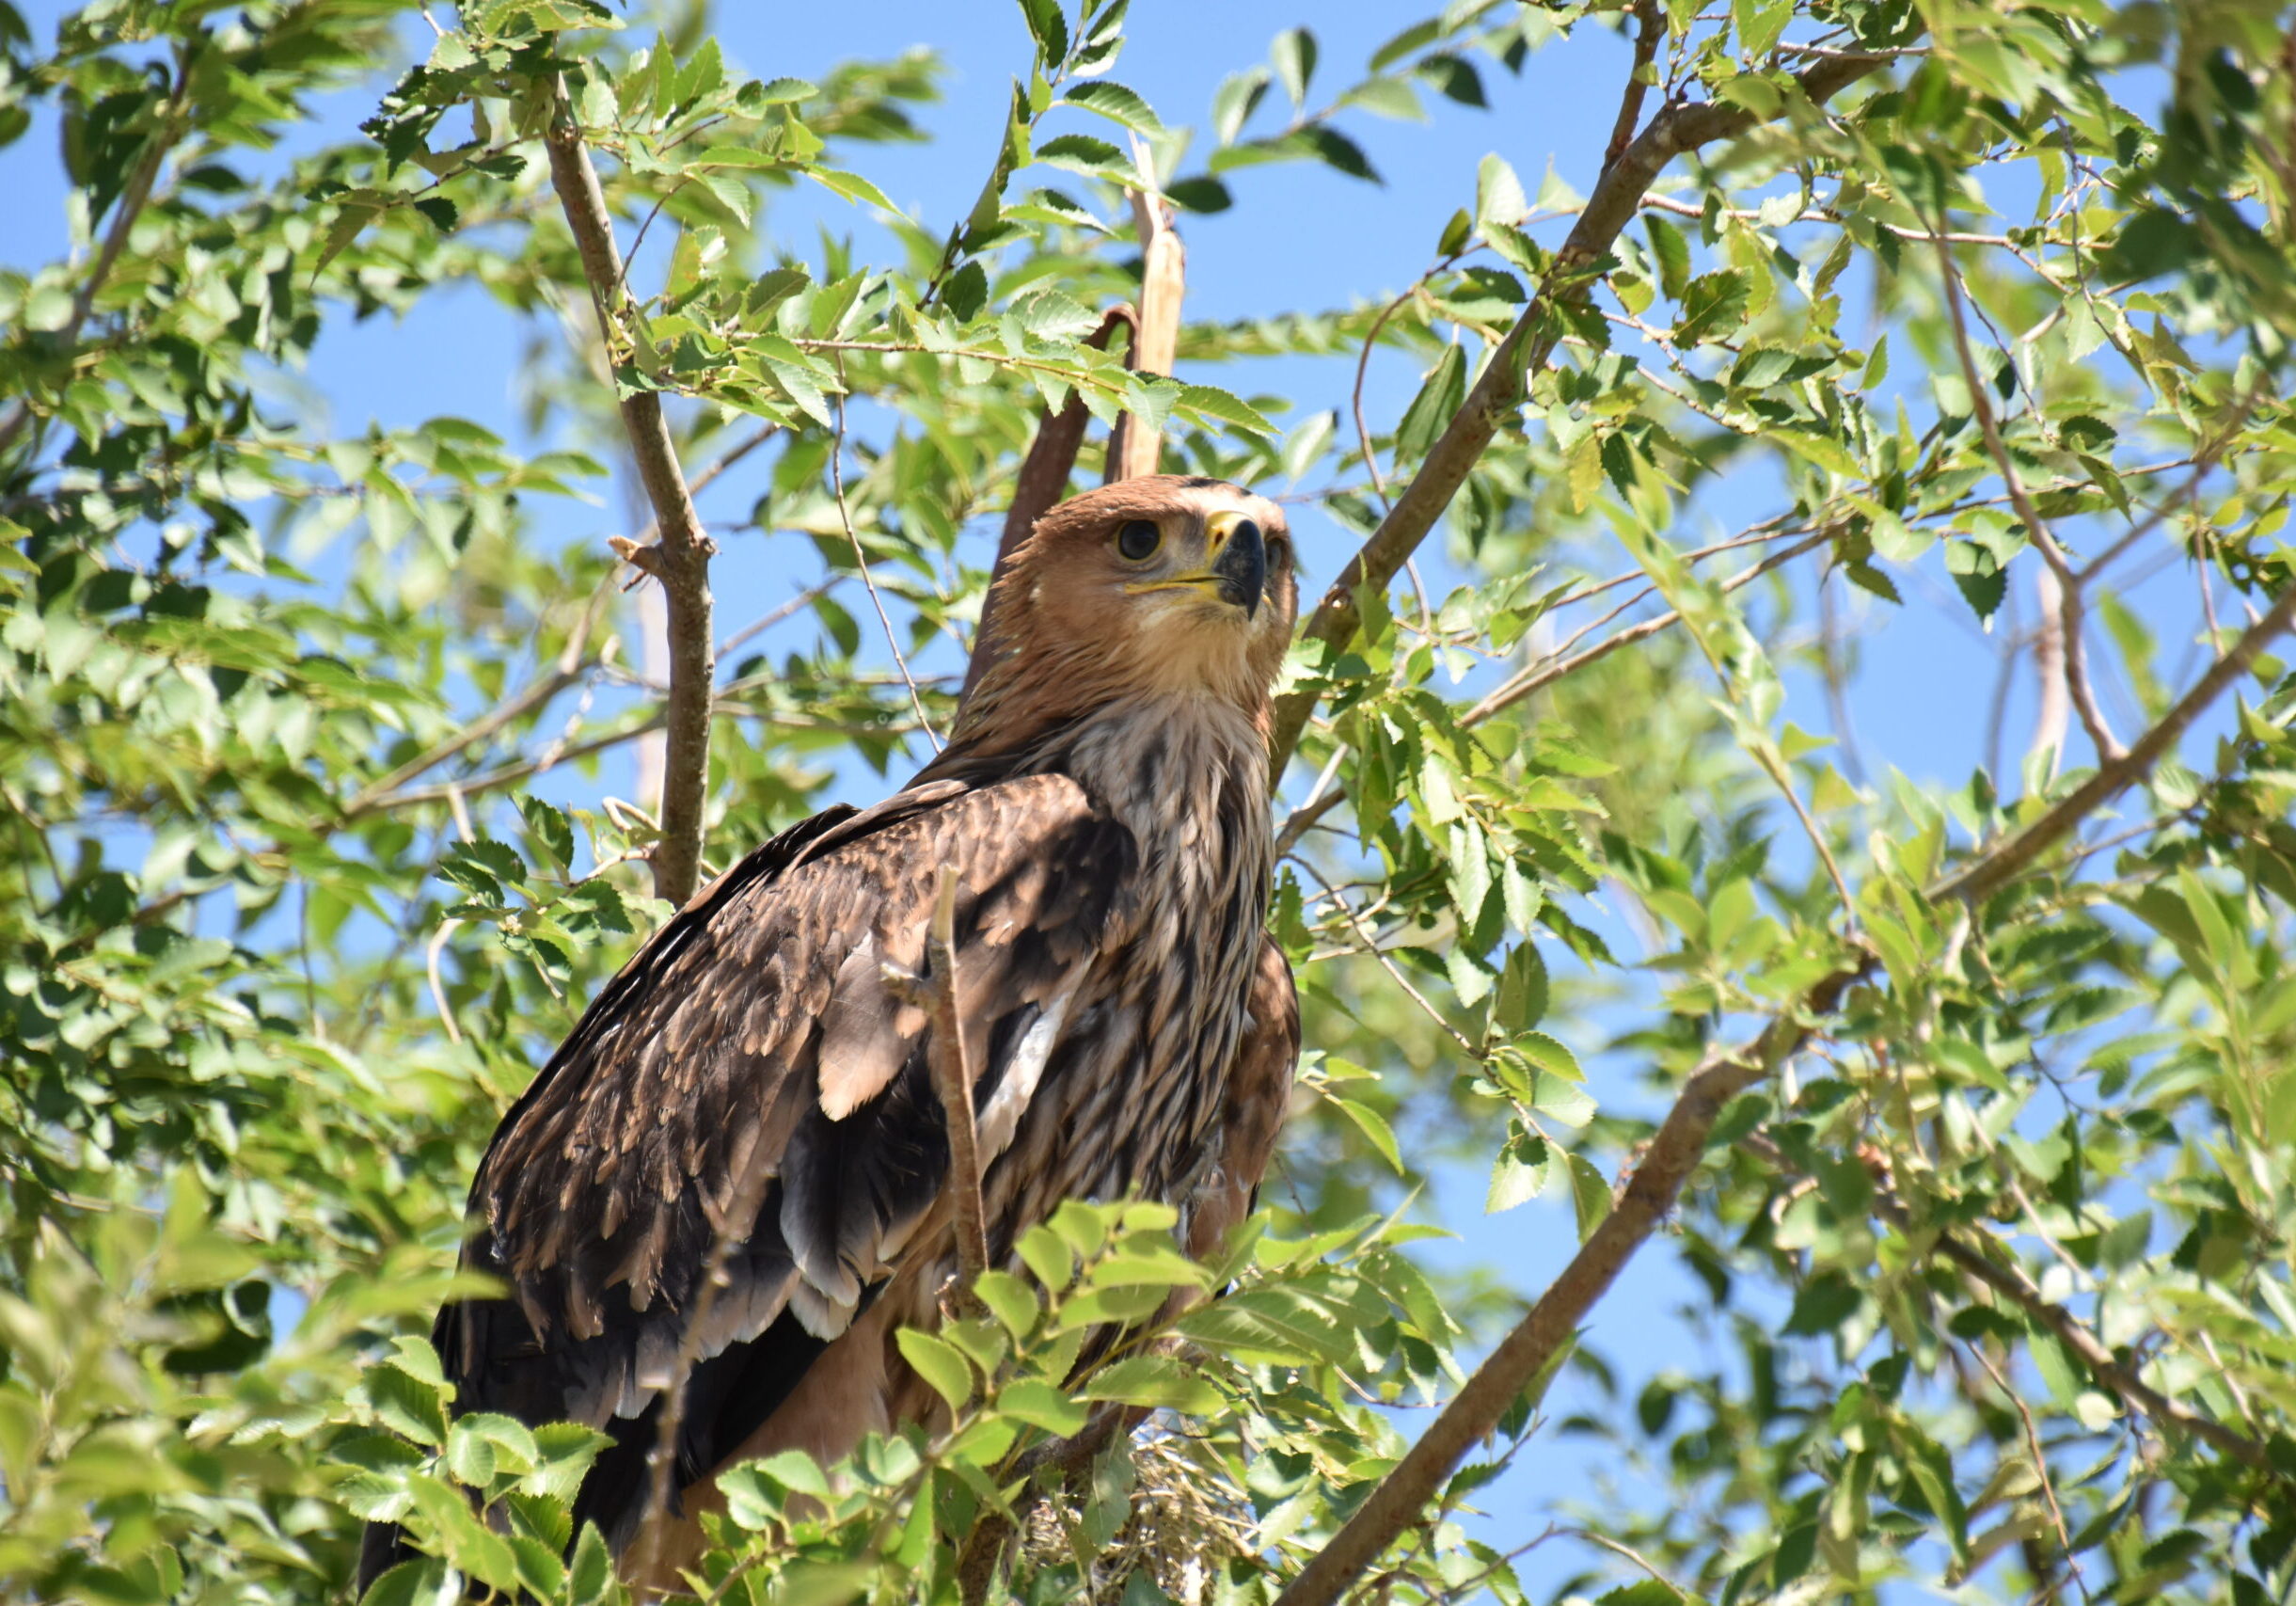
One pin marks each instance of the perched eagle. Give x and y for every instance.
(753, 1072)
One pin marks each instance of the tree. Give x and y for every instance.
(1967, 1106)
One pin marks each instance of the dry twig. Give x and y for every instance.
(935, 992)
(1134, 448)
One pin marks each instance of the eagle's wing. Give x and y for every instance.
(751, 1070)
(1252, 1114)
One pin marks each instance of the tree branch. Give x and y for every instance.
(1674, 1152)
(1042, 478)
(2012, 1284)
(1651, 18)
(2010, 1281)
(1989, 873)
(680, 559)
(1523, 1354)
(1539, 676)
(1134, 448)
(1526, 348)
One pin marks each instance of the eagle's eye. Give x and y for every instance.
(1138, 540)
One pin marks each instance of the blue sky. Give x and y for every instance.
(1298, 237)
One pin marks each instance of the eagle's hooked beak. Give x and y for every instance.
(1235, 565)
(1238, 560)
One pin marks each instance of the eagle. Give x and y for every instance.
(753, 1090)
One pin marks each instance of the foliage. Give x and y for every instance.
(302, 736)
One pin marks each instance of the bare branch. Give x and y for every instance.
(1672, 1153)
(571, 666)
(860, 561)
(1526, 348)
(681, 557)
(2056, 712)
(1651, 18)
(1540, 676)
(1134, 448)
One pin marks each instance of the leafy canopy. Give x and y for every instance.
(1981, 1091)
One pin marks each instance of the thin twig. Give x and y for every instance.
(845, 517)
(2012, 1284)
(2055, 708)
(1540, 676)
(477, 731)
(2041, 1466)
(773, 616)
(1553, 1321)
(937, 994)
(1371, 945)
(1987, 874)
(439, 983)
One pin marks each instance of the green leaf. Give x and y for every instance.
(1277, 1324)
(942, 1365)
(1159, 1382)
(407, 1404)
(1232, 104)
(966, 291)
(1590, 1195)
(1040, 1405)
(1671, 252)
(1338, 150)
(1213, 402)
(1441, 395)
(1114, 101)
(1376, 1130)
(1498, 194)
(1760, 24)
(1048, 28)
(1294, 56)
(1519, 1174)
(853, 186)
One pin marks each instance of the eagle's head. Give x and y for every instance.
(1159, 585)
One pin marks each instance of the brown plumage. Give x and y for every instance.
(1131, 1029)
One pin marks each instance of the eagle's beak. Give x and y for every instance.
(1238, 560)
(1235, 565)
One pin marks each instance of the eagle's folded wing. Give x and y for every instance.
(750, 1073)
